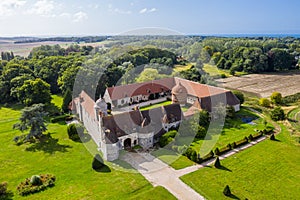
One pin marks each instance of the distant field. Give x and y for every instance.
(23, 49)
(212, 70)
(263, 85)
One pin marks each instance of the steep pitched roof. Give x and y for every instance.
(130, 90)
(87, 103)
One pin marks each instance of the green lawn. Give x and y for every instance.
(165, 103)
(269, 170)
(234, 130)
(173, 159)
(179, 68)
(70, 162)
(212, 70)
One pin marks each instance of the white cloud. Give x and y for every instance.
(80, 16)
(43, 8)
(143, 10)
(146, 10)
(118, 10)
(8, 7)
(66, 15)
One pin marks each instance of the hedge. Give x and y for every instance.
(61, 118)
(26, 187)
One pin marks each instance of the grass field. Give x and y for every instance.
(165, 103)
(179, 68)
(269, 170)
(235, 129)
(70, 162)
(212, 70)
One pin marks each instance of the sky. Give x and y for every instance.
(112, 17)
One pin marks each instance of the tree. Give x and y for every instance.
(230, 112)
(264, 102)
(277, 114)
(34, 91)
(32, 118)
(240, 96)
(66, 100)
(276, 98)
(201, 132)
(148, 75)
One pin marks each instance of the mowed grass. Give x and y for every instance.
(173, 159)
(70, 162)
(165, 103)
(234, 130)
(180, 68)
(212, 70)
(268, 170)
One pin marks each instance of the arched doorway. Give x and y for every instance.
(127, 143)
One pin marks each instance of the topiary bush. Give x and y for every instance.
(3, 189)
(36, 180)
(30, 186)
(98, 162)
(272, 137)
(250, 137)
(217, 163)
(217, 151)
(75, 131)
(227, 191)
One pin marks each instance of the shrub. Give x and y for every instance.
(26, 187)
(227, 191)
(240, 96)
(36, 180)
(223, 76)
(272, 137)
(264, 102)
(217, 151)
(217, 163)
(276, 98)
(167, 138)
(3, 189)
(209, 156)
(98, 162)
(229, 146)
(75, 131)
(201, 132)
(61, 118)
(277, 114)
(250, 137)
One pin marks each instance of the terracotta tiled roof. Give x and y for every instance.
(87, 103)
(130, 90)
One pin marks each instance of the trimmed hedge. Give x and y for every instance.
(26, 187)
(240, 142)
(61, 118)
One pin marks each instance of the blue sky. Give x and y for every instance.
(100, 17)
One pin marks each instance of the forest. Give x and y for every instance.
(53, 69)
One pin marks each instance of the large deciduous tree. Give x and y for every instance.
(32, 118)
(34, 91)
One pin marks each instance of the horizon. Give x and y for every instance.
(42, 18)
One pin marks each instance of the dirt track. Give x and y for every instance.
(263, 85)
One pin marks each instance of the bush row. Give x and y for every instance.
(61, 118)
(29, 187)
(191, 154)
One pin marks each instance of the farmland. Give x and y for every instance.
(263, 85)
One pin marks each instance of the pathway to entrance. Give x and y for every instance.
(160, 174)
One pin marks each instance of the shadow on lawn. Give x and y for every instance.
(232, 196)
(104, 169)
(48, 145)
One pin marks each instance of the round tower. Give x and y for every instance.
(100, 108)
(179, 94)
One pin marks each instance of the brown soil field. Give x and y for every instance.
(263, 85)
